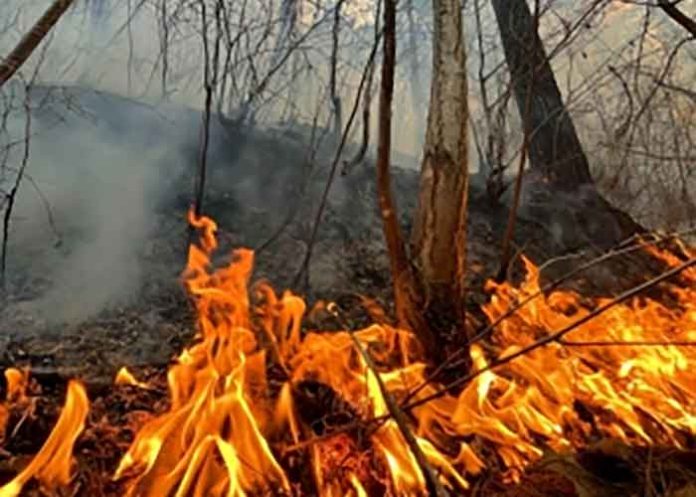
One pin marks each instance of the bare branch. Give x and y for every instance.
(32, 39)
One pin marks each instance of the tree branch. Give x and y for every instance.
(32, 39)
(670, 8)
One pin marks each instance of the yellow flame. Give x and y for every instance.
(125, 377)
(51, 466)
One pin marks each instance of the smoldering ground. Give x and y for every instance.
(105, 172)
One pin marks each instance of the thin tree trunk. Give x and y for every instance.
(554, 149)
(439, 238)
(406, 293)
(32, 39)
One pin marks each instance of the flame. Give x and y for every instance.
(125, 377)
(220, 435)
(51, 466)
(17, 381)
(255, 387)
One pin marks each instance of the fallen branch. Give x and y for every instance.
(435, 488)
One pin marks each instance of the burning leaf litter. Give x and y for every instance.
(238, 395)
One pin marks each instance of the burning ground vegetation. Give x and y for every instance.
(559, 400)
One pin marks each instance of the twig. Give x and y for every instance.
(557, 335)
(335, 99)
(208, 81)
(367, 102)
(670, 8)
(630, 343)
(332, 173)
(295, 209)
(557, 282)
(12, 195)
(435, 488)
(46, 205)
(345, 428)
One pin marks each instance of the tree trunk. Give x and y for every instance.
(32, 39)
(555, 150)
(439, 237)
(407, 296)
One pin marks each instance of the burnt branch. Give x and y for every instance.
(433, 485)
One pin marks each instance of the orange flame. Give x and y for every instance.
(221, 406)
(17, 382)
(232, 414)
(125, 377)
(51, 466)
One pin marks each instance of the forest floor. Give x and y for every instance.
(146, 332)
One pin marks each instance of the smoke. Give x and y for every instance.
(101, 169)
(103, 164)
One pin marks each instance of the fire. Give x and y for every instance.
(125, 377)
(52, 465)
(255, 390)
(17, 381)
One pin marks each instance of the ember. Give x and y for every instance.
(232, 425)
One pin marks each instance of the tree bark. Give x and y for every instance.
(554, 148)
(439, 237)
(32, 39)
